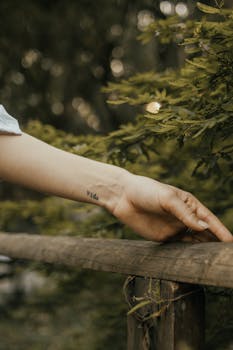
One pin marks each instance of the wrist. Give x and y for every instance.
(115, 187)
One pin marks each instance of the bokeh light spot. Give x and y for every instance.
(182, 9)
(145, 17)
(57, 108)
(117, 67)
(167, 8)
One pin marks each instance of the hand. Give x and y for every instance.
(158, 211)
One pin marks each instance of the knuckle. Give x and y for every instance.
(207, 216)
(168, 199)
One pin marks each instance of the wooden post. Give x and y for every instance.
(179, 324)
(182, 326)
(141, 332)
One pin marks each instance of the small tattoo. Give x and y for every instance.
(92, 195)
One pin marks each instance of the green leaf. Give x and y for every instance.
(138, 306)
(207, 8)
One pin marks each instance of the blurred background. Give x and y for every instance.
(55, 58)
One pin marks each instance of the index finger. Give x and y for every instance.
(215, 225)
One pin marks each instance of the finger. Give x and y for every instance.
(185, 214)
(194, 237)
(206, 236)
(215, 225)
(204, 215)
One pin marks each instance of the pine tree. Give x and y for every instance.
(183, 131)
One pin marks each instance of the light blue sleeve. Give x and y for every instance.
(8, 124)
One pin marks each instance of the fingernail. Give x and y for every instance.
(203, 224)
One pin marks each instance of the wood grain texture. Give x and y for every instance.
(202, 263)
(178, 315)
(141, 332)
(182, 325)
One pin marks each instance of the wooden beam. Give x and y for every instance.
(201, 263)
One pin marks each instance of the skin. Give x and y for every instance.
(154, 210)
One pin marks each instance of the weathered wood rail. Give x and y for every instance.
(175, 271)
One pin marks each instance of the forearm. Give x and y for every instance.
(30, 162)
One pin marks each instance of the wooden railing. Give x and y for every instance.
(163, 285)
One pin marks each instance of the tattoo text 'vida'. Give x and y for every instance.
(92, 195)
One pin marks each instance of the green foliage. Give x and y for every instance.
(196, 114)
(188, 143)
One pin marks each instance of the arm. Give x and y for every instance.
(32, 163)
(154, 210)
